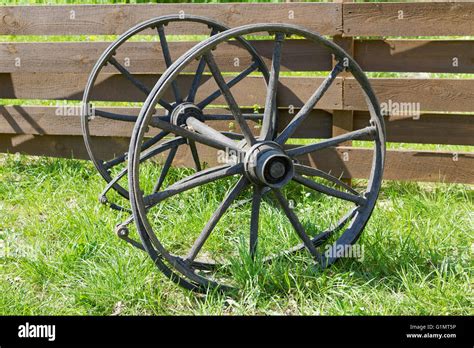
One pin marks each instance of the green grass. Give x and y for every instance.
(61, 257)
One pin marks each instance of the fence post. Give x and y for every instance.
(343, 120)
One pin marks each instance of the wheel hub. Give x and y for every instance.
(267, 164)
(183, 111)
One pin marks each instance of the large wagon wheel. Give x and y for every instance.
(264, 165)
(114, 170)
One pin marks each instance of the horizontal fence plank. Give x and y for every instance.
(426, 128)
(360, 19)
(405, 165)
(297, 55)
(63, 146)
(147, 57)
(408, 19)
(400, 165)
(438, 56)
(445, 95)
(116, 19)
(114, 87)
(65, 120)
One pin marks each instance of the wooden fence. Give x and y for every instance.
(369, 31)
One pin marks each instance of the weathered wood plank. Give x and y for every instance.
(444, 56)
(65, 120)
(405, 165)
(116, 19)
(400, 165)
(428, 128)
(147, 57)
(446, 95)
(64, 146)
(114, 87)
(409, 19)
(456, 56)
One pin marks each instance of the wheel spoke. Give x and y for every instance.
(114, 116)
(358, 134)
(166, 168)
(310, 171)
(230, 84)
(211, 224)
(200, 138)
(170, 144)
(210, 132)
(191, 182)
(147, 144)
(195, 154)
(270, 101)
(204, 172)
(198, 75)
(137, 83)
(309, 105)
(320, 238)
(297, 225)
(196, 81)
(359, 200)
(232, 135)
(349, 237)
(223, 117)
(114, 181)
(126, 118)
(115, 161)
(254, 220)
(234, 108)
(159, 148)
(166, 54)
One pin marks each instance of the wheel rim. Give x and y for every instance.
(355, 219)
(104, 167)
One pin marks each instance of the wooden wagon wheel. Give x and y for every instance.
(263, 165)
(114, 170)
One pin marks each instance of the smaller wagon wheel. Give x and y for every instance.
(114, 170)
(262, 165)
